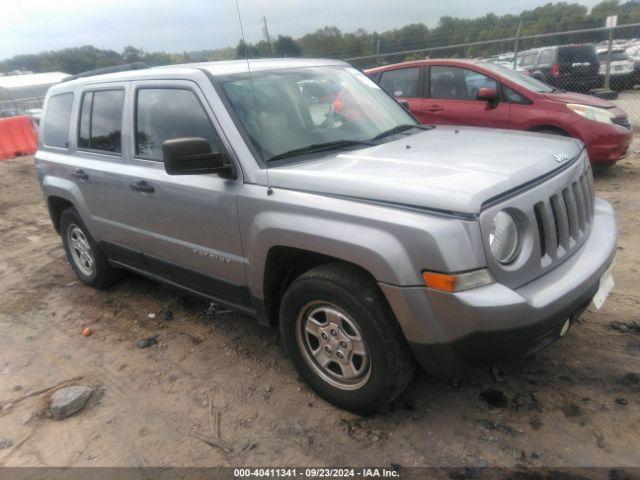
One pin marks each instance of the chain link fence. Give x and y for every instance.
(604, 62)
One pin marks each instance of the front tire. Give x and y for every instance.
(88, 262)
(343, 339)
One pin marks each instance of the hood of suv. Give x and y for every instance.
(453, 169)
(571, 97)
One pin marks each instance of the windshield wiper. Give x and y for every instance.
(320, 147)
(401, 128)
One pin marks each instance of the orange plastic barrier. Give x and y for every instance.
(17, 137)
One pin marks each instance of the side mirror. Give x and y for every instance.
(193, 156)
(490, 95)
(404, 103)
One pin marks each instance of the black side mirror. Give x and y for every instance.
(193, 156)
(404, 103)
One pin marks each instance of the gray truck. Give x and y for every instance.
(300, 193)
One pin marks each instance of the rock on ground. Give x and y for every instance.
(69, 400)
(5, 443)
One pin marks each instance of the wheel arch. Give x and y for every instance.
(56, 206)
(284, 264)
(550, 128)
(60, 192)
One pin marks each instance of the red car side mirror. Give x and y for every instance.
(490, 95)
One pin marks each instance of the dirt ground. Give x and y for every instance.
(575, 404)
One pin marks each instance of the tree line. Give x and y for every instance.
(330, 41)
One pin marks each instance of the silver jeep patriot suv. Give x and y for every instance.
(300, 193)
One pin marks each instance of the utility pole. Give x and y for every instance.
(266, 34)
(515, 48)
(612, 21)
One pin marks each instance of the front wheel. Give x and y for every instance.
(343, 340)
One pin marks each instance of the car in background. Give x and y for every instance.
(568, 67)
(478, 93)
(621, 71)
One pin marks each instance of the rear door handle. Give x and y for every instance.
(80, 174)
(142, 186)
(435, 108)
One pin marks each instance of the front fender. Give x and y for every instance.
(394, 245)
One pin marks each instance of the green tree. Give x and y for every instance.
(285, 46)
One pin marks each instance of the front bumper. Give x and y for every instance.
(606, 144)
(494, 322)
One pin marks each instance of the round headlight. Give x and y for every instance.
(503, 238)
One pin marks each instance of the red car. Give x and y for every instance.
(466, 92)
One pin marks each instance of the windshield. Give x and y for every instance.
(518, 78)
(287, 110)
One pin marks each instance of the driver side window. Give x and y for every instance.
(456, 83)
(167, 113)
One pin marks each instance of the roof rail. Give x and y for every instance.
(102, 71)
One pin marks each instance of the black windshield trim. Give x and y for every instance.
(320, 147)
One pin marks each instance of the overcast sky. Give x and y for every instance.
(31, 26)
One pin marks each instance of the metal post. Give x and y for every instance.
(515, 48)
(266, 34)
(378, 52)
(607, 74)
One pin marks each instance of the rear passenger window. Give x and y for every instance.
(167, 113)
(101, 121)
(402, 83)
(55, 126)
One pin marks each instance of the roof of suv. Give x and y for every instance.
(558, 47)
(214, 68)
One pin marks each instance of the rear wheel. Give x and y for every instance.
(87, 260)
(343, 340)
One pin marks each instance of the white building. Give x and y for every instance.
(22, 93)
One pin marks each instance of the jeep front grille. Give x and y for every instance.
(564, 218)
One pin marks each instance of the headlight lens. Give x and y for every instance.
(592, 113)
(503, 239)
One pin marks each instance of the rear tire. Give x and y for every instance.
(88, 262)
(343, 339)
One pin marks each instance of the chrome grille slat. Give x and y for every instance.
(582, 216)
(587, 201)
(564, 218)
(548, 236)
(572, 211)
(562, 221)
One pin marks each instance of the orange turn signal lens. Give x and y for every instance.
(440, 281)
(447, 282)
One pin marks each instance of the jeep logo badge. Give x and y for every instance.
(561, 157)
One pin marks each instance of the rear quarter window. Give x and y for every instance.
(55, 125)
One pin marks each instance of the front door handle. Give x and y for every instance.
(142, 186)
(80, 174)
(435, 108)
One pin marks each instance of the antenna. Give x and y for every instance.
(253, 93)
